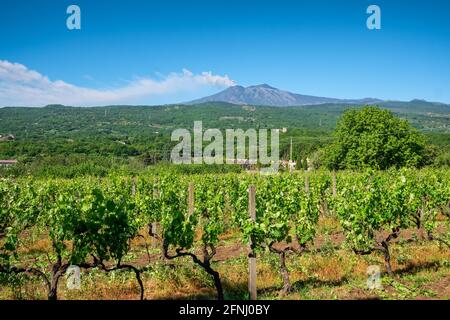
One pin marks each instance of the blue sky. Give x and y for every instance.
(135, 51)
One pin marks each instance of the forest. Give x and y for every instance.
(67, 141)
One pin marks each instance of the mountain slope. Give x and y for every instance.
(266, 95)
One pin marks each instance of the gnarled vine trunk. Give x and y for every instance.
(287, 287)
(384, 248)
(285, 274)
(205, 264)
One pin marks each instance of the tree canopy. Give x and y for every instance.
(375, 138)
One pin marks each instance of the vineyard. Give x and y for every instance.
(132, 229)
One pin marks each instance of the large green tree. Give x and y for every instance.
(375, 138)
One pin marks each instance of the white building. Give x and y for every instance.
(7, 163)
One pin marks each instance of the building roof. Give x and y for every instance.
(8, 161)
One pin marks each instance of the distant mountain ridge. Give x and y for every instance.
(266, 95)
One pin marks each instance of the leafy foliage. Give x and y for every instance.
(91, 221)
(375, 138)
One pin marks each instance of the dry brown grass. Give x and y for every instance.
(335, 274)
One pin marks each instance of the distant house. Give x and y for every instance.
(8, 137)
(7, 163)
(288, 164)
(246, 164)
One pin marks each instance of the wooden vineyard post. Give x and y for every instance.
(154, 225)
(307, 184)
(154, 230)
(333, 212)
(334, 184)
(252, 254)
(227, 209)
(133, 186)
(191, 199)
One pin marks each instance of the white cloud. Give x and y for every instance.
(20, 86)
